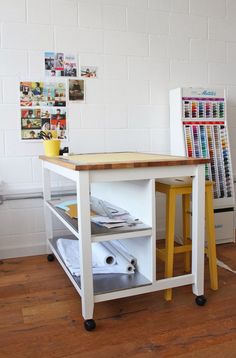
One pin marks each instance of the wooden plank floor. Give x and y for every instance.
(41, 317)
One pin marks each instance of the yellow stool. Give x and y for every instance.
(172, 188)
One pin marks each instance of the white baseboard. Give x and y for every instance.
(14, 252)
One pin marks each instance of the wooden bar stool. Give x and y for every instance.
(172, 188)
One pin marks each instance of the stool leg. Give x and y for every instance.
(186, 229)
(210, 226)
(169, 243)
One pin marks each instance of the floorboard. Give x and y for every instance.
(41, 316)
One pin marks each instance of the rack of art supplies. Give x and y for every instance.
(111, 250)
(198, 124)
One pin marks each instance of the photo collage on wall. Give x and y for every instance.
(58, 64)
(43, 104)
(43, 108)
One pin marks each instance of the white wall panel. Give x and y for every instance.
(39, 14)
(188, 26)
(115, 67)
(13, 10)
(2, 145)
(17, 170)
(13, 62)
(114, 18)
(212, 8)
(181, 6)
(163, 5)
(64, 12)
(125, 43)
(90, 14)
(23, 36)
(9, 117)
(78, 40)
(129, 139)
(158, 23)
(137, 20)
(116, 116)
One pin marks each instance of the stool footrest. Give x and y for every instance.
(161, 253)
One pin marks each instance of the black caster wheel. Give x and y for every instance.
(89, 324)
(50, 257)
(200, 300)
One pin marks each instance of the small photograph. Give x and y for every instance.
(30, 118)
(59, 61)
(70, 66)
(49, 60)
(49, 94)
(37, 88)
(52, 133)
(58, 119)
(60, 95)
(45, 124)
(30, 134)
(62, 134)
(26, 94)
(76, 90)
(46, 113)
(88, 71)
(37, 93)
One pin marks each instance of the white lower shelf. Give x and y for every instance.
(103, 283)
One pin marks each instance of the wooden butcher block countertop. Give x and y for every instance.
(99, 161)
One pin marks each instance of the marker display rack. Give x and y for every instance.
(199, 129)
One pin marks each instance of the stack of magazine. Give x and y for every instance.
(102, 213)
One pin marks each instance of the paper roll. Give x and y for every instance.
(105, 258)
(123, 251)
(124, 265)
(101, 255)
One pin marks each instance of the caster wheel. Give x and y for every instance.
(89, 324)
(200, 300)
(50, 257)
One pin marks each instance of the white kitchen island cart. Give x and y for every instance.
(128, 181)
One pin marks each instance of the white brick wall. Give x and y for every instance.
(90, 14)
(114, 18)
(39, 14)
(12, 11)
(13, 63)
(211, 8)
(26, 36)
(64, 12)
(142, 48)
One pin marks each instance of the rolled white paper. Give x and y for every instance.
(124, 265)
(69, 251)
(101, 255)
(123, 251)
